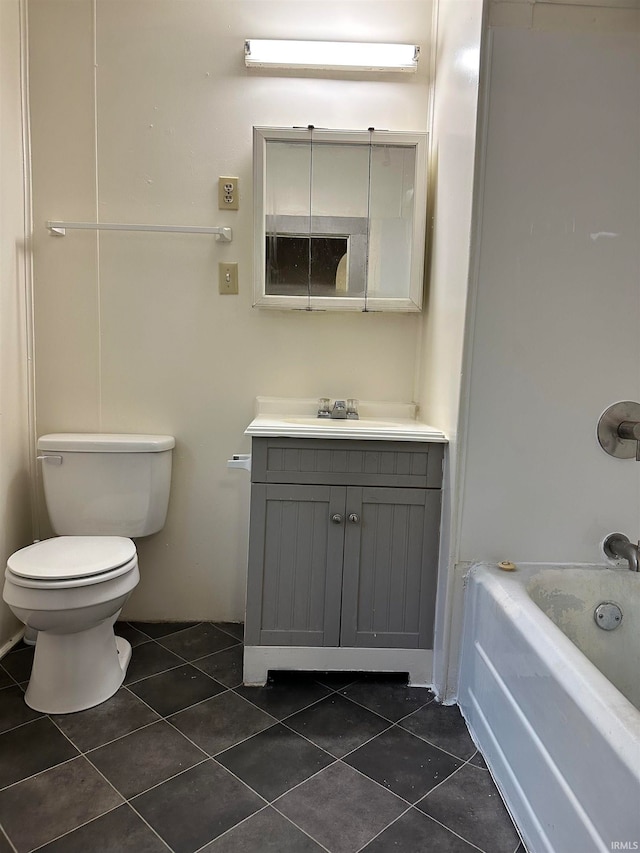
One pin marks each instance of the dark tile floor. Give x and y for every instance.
(184, 758)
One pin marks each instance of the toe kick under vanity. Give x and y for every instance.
(343, 544)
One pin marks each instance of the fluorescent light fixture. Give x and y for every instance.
(330, 55)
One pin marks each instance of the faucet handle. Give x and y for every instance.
(352, 409)
(619, 430)
(324, 407)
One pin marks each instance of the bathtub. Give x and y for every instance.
(552, 701)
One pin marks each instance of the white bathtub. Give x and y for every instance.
(561, 739)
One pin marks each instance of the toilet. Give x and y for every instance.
(100, 490)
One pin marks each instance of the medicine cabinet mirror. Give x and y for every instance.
(339, 219)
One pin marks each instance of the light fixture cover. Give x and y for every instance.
(330, 55)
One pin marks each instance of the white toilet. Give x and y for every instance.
(99, 489)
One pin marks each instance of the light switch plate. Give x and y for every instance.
(227, 278)
(228, 198)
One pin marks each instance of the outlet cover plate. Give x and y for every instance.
(228, 198)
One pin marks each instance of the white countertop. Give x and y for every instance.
(297, 418)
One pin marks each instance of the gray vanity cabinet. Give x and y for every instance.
(343, 543)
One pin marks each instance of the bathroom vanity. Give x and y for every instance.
(343, 547)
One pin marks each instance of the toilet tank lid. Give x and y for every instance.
(90, 442)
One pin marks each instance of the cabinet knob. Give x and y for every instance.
(354, 518)
(337, 518)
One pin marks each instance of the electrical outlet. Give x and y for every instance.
(228, 198)
(227, 278)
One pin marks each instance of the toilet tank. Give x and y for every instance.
(109, 484)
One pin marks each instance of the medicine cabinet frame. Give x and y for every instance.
(349, 229)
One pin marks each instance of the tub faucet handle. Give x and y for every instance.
(630, 431)
(619, 430)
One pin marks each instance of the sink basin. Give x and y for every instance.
(347, 423)
(297, 419)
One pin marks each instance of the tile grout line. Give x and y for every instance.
(26, 722)
(221, 751)
(179, 711)
(183, 660)
(33, 775)
(384, 829)
(457, 834)
(3, 834)
(304, 831)
(394, 722)
(231, 828)
(437, 746)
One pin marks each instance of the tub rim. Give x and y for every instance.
(594, 693)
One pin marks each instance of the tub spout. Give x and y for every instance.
(617, 545)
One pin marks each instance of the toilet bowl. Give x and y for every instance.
(100, 490)
(71, 589)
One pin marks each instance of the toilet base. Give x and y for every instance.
(73, 672)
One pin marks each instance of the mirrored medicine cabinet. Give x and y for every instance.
(339, 219)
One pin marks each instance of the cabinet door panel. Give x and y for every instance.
(390, 566)
(295, 565)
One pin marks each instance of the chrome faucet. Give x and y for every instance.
(339, 410)
(617, 545)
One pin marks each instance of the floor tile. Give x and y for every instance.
(161, 629)
(5, 847)
(195, 807)
(176, 689)
(18, 663)
(225, 666)
(388, 697)
(337, 725)
(145, 758)
(403, 763)
(118, 831)
(236, 629)
(416, 833)
(274, 761)
(30, 749)
(285, 694)
(340, 808)
(118, 716)
(469, 804)
(265, 832)
(129, 633)
(221, 722)
(198, 641)
(5, 679)
(443, 726)
(150, 659)
(66, 796)
(13, 709)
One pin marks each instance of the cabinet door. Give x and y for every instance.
(295, 565)
(390, 567)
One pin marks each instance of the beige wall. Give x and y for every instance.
(131, 333)
(15, 515)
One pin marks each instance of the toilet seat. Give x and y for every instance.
(71, 561)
